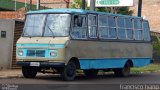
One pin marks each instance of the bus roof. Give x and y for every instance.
(75, 11)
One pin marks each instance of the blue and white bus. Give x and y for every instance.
(65, 40)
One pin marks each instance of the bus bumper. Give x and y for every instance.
(41, 64)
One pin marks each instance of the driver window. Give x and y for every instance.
(79, 21)
(79, 27)
(76, 23)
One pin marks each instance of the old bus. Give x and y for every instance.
(64, 40)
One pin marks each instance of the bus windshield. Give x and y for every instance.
(51, 25)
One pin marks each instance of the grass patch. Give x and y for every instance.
(145, 69)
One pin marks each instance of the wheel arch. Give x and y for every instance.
(130, 62)
(76, 61)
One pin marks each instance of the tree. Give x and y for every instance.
(78, 4)
(116, 10)
(124, 11)
(156, 47)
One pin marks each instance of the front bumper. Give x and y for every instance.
(42, 64)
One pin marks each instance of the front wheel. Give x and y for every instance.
(68, 73)
(29, 72)
(123, 72)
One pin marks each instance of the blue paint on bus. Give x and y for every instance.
(41, 45)
(112, 63)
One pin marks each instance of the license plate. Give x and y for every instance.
(34, 64)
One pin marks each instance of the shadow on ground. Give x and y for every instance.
(86, 78)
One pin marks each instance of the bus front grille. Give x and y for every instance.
(36, 53)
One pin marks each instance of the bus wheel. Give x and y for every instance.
(68, 73)
(29, 72)
(123, 72)
(91, 72)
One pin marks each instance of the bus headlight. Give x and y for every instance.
(20, 53)
(53, 54)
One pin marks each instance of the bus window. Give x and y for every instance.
(34, 25)
(121, 28)
(121, 33)
(138, 29)
(57, 25)
(103, 26)
(129, 34)
(129, 28)
(137, 23)
(103, 20)
(92, 26)
(75, 20)
(146, 31)
(129, 23)
(112, 27)
(120, 22)
(79, 27)
(78, 21)
(138, 34)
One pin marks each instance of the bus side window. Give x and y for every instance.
(112, 27)
(103, 26)
(129, 28)
(92, 26)
(78, 21)
(138, 29)
(121, 28)
(79, 28)
(146, 31)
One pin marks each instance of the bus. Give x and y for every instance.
(66, 40)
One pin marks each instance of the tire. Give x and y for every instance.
(123, 72)
(90, 73)
(29, 72)
(68, 73)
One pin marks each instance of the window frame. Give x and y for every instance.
(124, 28)
(105, 26)
(110, 27)
(44, 23)
(72, 26)
(138, 29)
(129, 28)
(96, 26)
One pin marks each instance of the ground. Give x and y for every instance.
(146, 77)
(101, 82)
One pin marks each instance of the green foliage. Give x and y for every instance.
(146, 69)
(9, 5)
(125, 11)
(118, 10)
(101, 9)
(78, 4)
(156, 47)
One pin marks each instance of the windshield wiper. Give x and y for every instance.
(51, 31)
